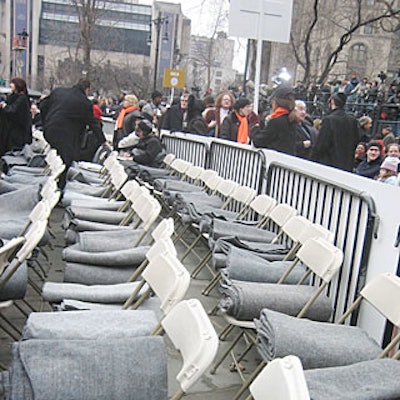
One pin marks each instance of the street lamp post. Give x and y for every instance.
(159, 22)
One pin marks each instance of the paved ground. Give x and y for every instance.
(220, 386)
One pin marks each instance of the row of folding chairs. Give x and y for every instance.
(311, 246)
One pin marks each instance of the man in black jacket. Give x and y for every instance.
(65, 114)
(338, 136)
(175, 119)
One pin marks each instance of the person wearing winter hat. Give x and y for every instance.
(338, 136)
(369, 166)
(280, 131)
(148, 151)
(388, 171)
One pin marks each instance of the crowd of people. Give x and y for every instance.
(67, 116)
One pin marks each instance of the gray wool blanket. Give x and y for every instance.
(245, 300)
(70, 196)
(180, 200)
(89, 325)
(100, 369)
(175, 185)
(121, 258)
(242, 230)
(19, 203)
(151, 304)
(96, 241)
(98, 203)
(75, 173)
(4, 385)
(368, 380)
(15, 288)
(95, 215)
(95, 274)
(244, 266)
(80, 225)
(84, 188)
(26, 179)
(55, 292)
(6, 187)
(317, 344)
(267, 251)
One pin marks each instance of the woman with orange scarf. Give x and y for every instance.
(279, 132)
(122, 128)
(236, 125)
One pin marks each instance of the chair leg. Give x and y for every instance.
(178, 395)
(191, 247)
(202, 264)
(247, 383)
(214, 282)
(11, 325)
(220, 361)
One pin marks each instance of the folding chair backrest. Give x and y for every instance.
(50, 186)
(180, 166)
(383, 293)
(40, 212)
(57, 167)
(227, 187)
(8, 250)
(148, 210)
(315, 231)
(281, 214)
(32, 236)
(168, 279)
(208, 175)
(50, 156)
(194, 172)
(161, 246)
(191, 332)
(295, 227)
(283, 379)
(323, 258)
(110, 161)
(263, 204)
(52, 199)
(168, 159)
(128, 189)
(243, 194)
(213, 182)
(164, 229)
(118, 177)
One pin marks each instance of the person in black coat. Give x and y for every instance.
(66, 113)
(148, 151)
(280, 130)
(15, 118)
(371, 164)
(306, 134)
(175, 119)
(338, 136)
(196, 123)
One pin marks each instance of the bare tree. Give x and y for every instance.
(345, 17)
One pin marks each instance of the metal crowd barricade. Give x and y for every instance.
(188, 147)
(240, 163)
(348, 213)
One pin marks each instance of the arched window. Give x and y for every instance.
(358, 54)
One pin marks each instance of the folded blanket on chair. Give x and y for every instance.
(245, 300)
(80, 225)
(6, 187)
(96, 275)
(15, 288)
(4, 385)
(84, 188)
(91, 214)
(26, 179)
(98, 203)
(175, 185)
(89, 324)
(244, 266)
(368, 380)
(132, 257)
(317, 344)
(267, 251)
(55, 292)
(100, 369)
(75, 173)
(19, 203)
(117, 239)
(241, 230)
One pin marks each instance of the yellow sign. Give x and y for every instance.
(174, 78)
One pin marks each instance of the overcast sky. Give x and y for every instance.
(202, 14)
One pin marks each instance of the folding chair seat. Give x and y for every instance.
(190, 330)
(327, 345)
(241, 302)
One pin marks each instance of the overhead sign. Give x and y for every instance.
(265, 19)
(174, 78)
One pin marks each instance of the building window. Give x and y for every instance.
(369, 29)
(218, 81)
(358, 53)
(218, 74)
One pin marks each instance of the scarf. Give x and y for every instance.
(121, 115)
(243, 130)
(278, 112)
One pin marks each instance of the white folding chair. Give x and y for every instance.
(190, 330)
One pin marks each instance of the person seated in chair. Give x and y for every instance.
(148, 150)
